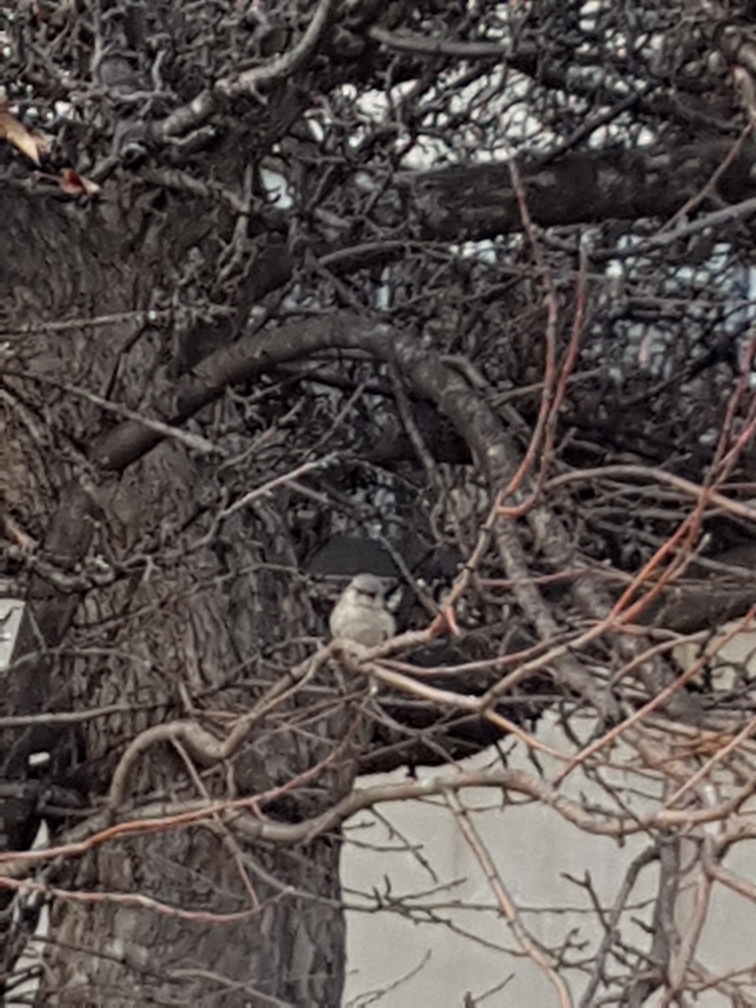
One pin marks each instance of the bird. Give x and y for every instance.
(360, 614)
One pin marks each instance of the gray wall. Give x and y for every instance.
(534, 850)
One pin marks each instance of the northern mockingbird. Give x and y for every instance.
(360, 614)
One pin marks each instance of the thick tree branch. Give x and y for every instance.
(478, 201)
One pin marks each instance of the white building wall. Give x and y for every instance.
(536, 853)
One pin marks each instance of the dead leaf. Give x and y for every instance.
(16, 133)
(73, 183)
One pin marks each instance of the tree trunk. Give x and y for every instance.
(190, 622)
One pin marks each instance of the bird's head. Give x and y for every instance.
(368, 586)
